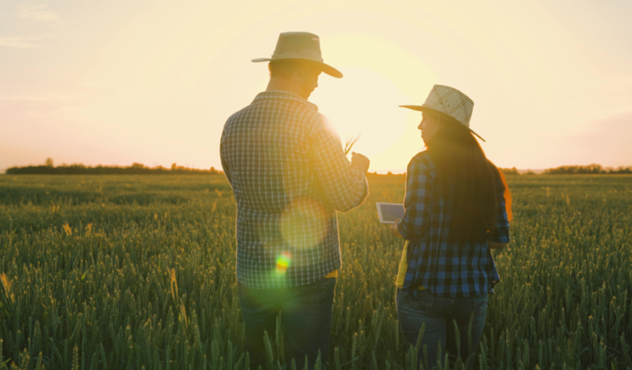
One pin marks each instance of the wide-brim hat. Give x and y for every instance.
(448, 103)
(300, 46)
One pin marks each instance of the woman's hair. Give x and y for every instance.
(466, 179)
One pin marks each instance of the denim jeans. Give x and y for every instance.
(307, 315)
(439, 315)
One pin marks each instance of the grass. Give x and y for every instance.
(117, 272)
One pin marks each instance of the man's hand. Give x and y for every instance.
(359, 162)
(394, 229)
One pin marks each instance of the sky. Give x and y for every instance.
(116, 82)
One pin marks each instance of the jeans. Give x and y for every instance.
(306, 312)
(439, 315)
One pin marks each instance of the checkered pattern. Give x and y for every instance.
(452, 102)
(289, 176)
(448, 269)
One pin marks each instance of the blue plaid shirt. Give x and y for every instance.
(448, 269)
(289, 175)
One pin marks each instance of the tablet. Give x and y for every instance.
(389, 212)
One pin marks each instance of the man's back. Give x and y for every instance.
(265, 145)
(289, 176)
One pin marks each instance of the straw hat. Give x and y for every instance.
(448, 102)
(300, 45)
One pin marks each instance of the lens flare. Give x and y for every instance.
(304, 224)
(283, 262)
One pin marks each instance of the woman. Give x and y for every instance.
(455, 211)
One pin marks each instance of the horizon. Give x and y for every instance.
(159, 89)
(397, 171)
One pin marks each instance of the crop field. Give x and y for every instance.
(133, 272)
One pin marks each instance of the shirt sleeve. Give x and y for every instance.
(507, 196)
(344, 187)
(416, 202)
(225, 167)
(226, 170)
(501, 233)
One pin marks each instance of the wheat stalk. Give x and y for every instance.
(349, 144)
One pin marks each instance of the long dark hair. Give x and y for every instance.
(468, 180)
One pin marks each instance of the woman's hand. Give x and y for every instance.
(394, 229)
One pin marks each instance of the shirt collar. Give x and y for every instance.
(284, 95)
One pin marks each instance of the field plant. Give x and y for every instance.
(138, 272)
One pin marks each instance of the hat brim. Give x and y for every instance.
(333, 72)
(422, 108)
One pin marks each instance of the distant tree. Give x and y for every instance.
(509, 171)
(620, 171)
(49, 162)
(591, 169)
(135, 169)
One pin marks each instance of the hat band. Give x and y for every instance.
(298, 55)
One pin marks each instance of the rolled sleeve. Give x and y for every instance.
(416, 201)
(344, 187)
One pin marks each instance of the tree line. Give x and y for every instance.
(591, 169)
(80, 169)
(140, 169)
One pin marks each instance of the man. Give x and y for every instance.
(289, 176)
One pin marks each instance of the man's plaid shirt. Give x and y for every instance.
(448, 269)
(289, 176)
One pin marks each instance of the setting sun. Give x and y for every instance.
(155, 84)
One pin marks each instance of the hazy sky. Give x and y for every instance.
(116, 82)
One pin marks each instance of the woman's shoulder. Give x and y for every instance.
(422, 161)
(498, 174)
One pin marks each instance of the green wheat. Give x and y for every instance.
(117, 272)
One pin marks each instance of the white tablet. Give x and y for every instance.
(389, 212)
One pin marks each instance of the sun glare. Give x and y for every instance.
(157, 90)
(308, 216)
(378, 77)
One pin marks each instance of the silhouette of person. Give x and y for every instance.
(290, 176)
